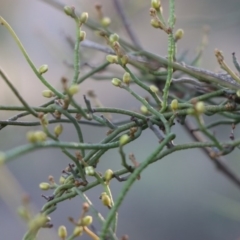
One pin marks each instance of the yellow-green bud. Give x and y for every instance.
(113, 38)
(112, 58)
(58, 130)
(179, 34)
(106, 201)
(73, 89)
(200, 107)
(2, 158)
(155, 23)
(40, 136)
(116, 82)
(62, 232)
(31, 137)
(70, 11)
(126, 78)
(144, 109)
(124, 60)
(44, 186)
(174, 104)
(44, 120)
(156, 4)
(43, 69)
(89, 170)
(62, 180)
(123, 139)
(84, 17)
(23, 213)
(86, 221)
(82, 35)
(106, 21)
(154, 89)
(108, 175)
(47, 93)
(77, 231)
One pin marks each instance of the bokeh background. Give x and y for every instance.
(180, 197)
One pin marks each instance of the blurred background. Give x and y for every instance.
(181, 197)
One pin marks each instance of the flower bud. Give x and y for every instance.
(58, 130)
(126, 78)
(62, 232)
(82, 35)
(62, 180)
(84, 17)
(78, 231)
(23, 213)
(44, 186)
(144, 109)
(47, 93)
(124, 60)
(112, 58)
(154, 89)
(155, 23)
(108, 175)
(116, 82)
(113, 38)
(40, 136)
(156, 4)
(123, 139)
(73, 89)
(70, 11)
(86, 221)
(43, 69)
(174, 104)
(106, 201)
(106, 21)
(85, 207)
(89, 170)
(200, 107)
(179, 34)
(31, 137)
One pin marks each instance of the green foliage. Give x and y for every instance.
(173, 97)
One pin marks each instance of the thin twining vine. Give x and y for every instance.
(172, 98)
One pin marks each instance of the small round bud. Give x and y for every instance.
(106, 201)
(82, 35)
(144, 110)
(73, 89)
(84, 17)
(174, 104)
(108, 175)
(47, 93)
(155, 23)
(124, 60)
(40, 136)
(31, 137)
(116, 82)
(106, 21)
(43, 69)
(126, 78)
(62, 232)
(44, 186)
(23, 213)
(62, 180)
(200, 107)
(156, 4)
(86, 221)
(123, 139)
(70, 11)
(179, 34)
(58, 130)
(77, 231)
(113, 38)
(89, 170)
(154, 89)
(112, 58)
